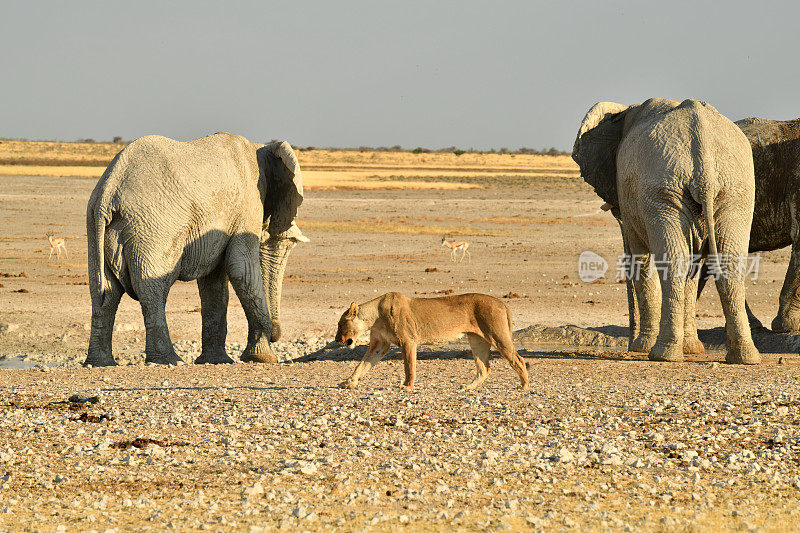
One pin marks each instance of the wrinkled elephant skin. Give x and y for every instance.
(165, 211)
(679, 179)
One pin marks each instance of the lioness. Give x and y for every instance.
(407, 322)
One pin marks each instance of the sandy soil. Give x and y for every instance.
(524, 240)
(604, 440)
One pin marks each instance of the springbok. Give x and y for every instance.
(57, 245)
(462, 246)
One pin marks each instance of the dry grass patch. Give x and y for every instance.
(582, 220)
(45, 153)
(372, 226)
(474, 161)
(325, 169)
(490, 180)
(54, 171)
(339, 181)
(593, 220)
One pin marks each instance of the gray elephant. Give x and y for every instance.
(679, 178)
(776, 161)
(776, 216)
(213, 209)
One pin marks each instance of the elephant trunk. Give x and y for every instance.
(274, 256)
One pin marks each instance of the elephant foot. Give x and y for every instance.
(275, 336)
(661, 352)
(693, 346)
(213, 357)
(785, 324)
(99, 359)
(259, 352)
(169, 358)
(642, 343)
(743, 354)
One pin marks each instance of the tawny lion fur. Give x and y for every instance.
(408, 322)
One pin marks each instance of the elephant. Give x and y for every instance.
(776, 215)
(776, 161)
(679, 178)
(214, 209)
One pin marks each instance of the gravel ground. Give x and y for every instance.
(604, 441)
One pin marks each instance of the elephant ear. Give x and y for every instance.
(284, 186)
(596, 145)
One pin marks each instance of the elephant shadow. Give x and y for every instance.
(714, 339)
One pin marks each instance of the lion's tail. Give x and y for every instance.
(511, 334)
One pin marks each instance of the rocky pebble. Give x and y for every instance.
(600, 442)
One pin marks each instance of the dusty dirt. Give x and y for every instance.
(605, 439)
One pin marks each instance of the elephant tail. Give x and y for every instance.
(98, 215)
(99, 212)
(96, 231)
(707, 202)
(706, 174)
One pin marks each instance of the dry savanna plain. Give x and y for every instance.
(604, 440)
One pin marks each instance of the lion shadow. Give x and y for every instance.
(608, 342)
(335, 352)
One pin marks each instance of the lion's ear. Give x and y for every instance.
(353, 311)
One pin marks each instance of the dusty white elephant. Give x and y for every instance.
(676, 173)
(213, 209)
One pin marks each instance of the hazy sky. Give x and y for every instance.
(340, 73)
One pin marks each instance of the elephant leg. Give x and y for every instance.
(691, 343)
(731, 288)
(213, 290)
(755, 323)
(630, 290)
(153, 299)
(100, 353)
(252, 334)
(242, 263)
(788, 319)
(670, 247)
(633, 312)
(647, 296)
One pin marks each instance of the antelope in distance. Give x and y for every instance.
(462, 246)
(57, 245)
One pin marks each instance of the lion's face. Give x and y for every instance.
(350, 327)
(347, 332)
